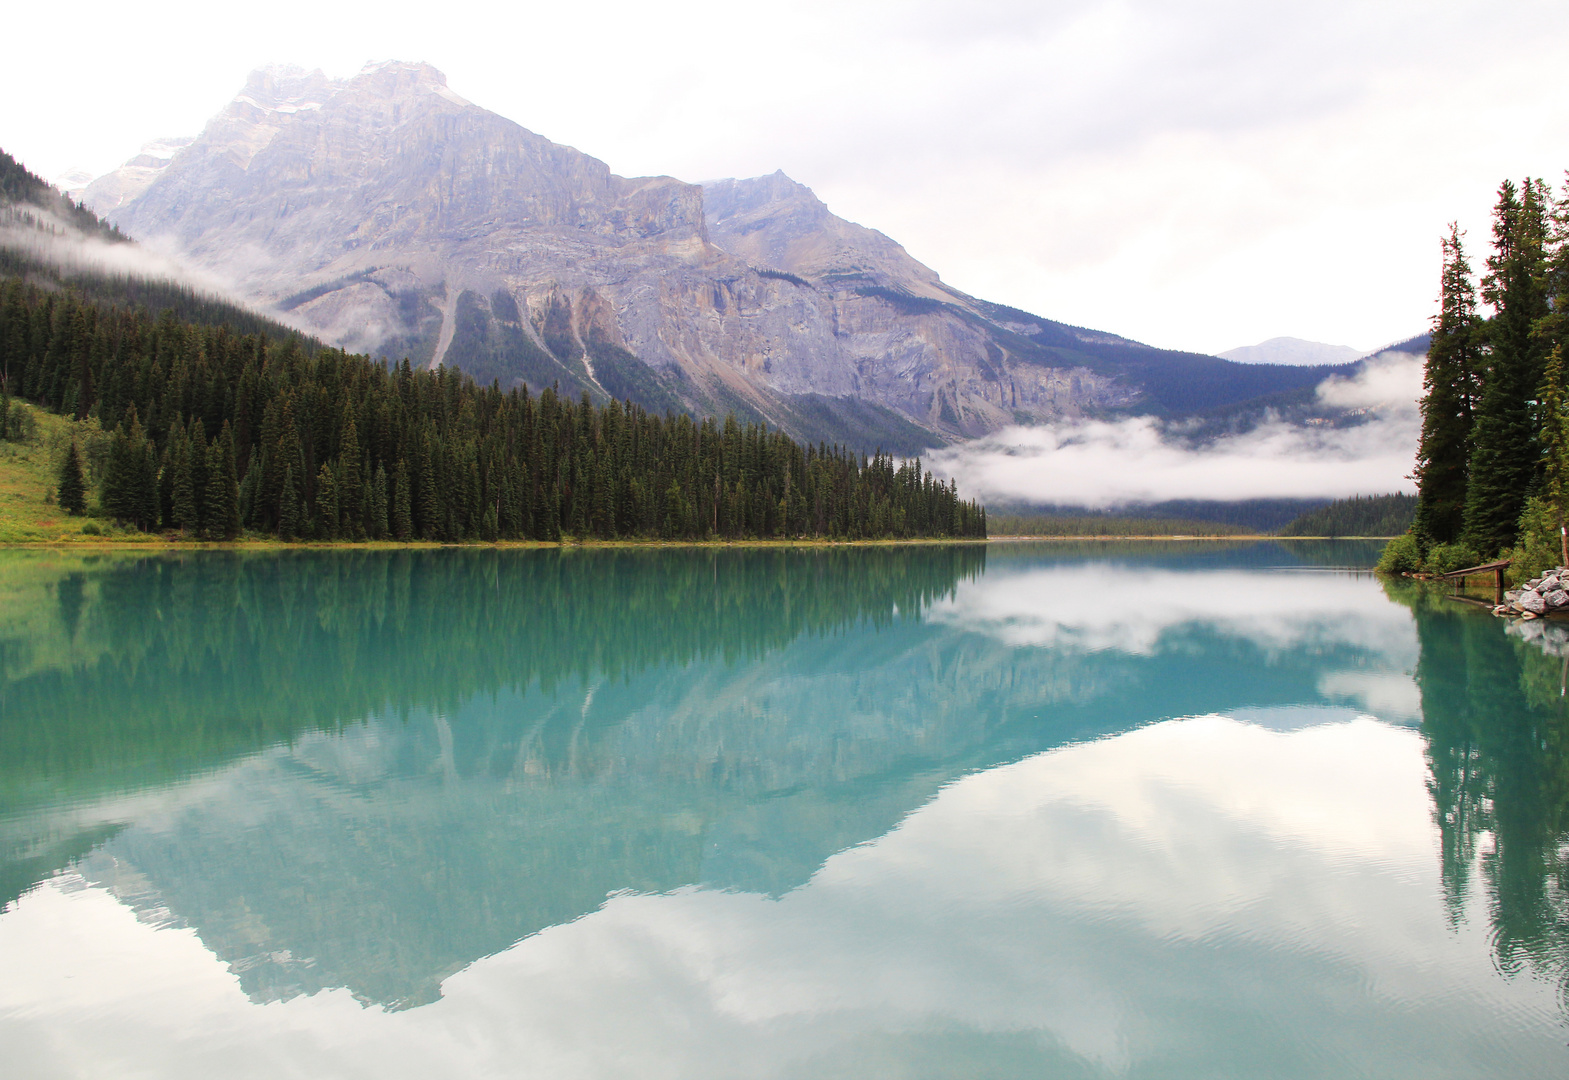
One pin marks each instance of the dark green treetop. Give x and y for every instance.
(1449, 398)
(71, 484)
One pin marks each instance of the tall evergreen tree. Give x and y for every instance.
(196, 456)
(147, 486)
(402, 511)
(327, 506)
(221, 498)
(229, 510)
(119, 476)
(70, 483)
(1555, 448)
(377, 511)
(183, 491)
(1449, 384)
(1505, 456)
(431, 520)
(351, 501)
(130, 485)
(1552, 329)
(289, 510)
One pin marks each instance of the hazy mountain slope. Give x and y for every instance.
(389, 214)
(46, 238)
(115, 189)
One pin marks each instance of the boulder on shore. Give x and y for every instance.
(1544, 595)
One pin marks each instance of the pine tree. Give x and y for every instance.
(184, 494)
(196, 456)
(221, 499)
(71, 483)
(1505, 456)
(378, 505)
(327, 507)
(147, 486)
(289, 506)
(432, 511)
(1555, 447)
(402, 512)
(229, 510)
(1449, 398)
(130, 493)
(166, 488)
(1552, 329)
(350, 483)
(119, 477)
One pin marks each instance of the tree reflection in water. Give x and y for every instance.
(1496, 721)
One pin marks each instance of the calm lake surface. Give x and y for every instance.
(1018, 810)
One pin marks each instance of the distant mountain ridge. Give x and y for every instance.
(1290, 350)
(388, 214)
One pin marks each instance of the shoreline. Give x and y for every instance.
(98, 544)
(159, 544)
(1178, 536)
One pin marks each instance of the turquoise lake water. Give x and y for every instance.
(1010, 810)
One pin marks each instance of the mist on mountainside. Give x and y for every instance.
(1140, 460)
(48, 238)
(34, 234)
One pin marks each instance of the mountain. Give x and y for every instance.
(1293, 351)
(113, 190)
(388, 214)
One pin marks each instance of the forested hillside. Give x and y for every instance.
(21, 186)
(1360, 515)
(215, 432)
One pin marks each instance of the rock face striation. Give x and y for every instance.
(385, 213)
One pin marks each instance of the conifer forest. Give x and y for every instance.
(216, 433)
(1493, 457)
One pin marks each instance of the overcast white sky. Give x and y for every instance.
(1196, 174)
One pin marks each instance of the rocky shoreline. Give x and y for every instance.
(1538, 598)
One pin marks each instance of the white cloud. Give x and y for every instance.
(1084, 606)
(1107, 463)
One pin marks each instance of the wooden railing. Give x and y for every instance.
(1495, 568)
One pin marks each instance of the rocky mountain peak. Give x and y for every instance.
(398, 79)
(285, 88)
(776, 223)
(770, 193)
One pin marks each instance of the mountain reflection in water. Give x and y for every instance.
(1069, 807)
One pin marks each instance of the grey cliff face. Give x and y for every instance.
(385, 213)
